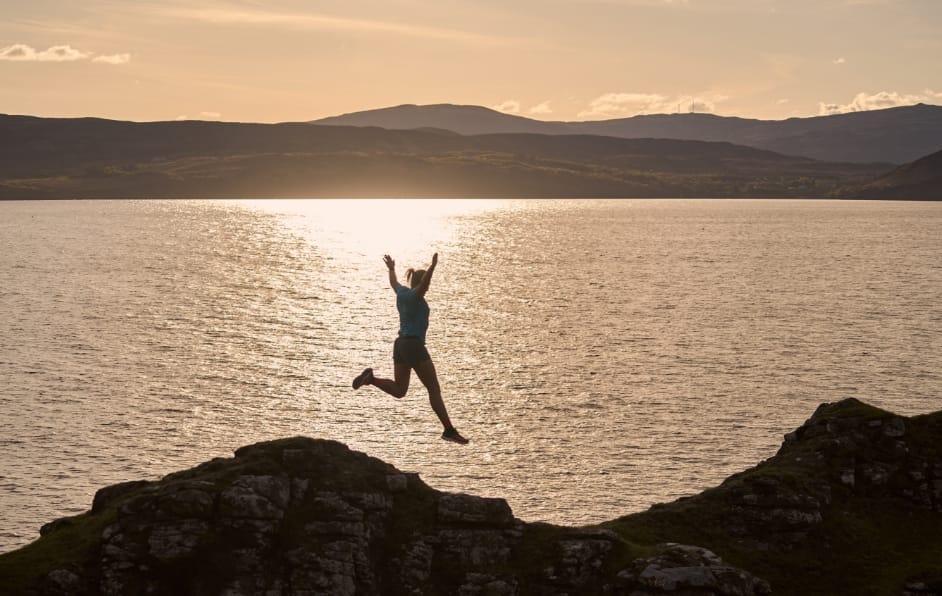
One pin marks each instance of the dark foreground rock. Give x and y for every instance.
(852, 504)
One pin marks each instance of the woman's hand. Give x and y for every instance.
(390, 263)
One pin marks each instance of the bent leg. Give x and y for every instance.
(429, 378)
(400, 385)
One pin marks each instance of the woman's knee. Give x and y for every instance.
(402, 374)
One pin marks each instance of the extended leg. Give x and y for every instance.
(429, 378)
(395, 387)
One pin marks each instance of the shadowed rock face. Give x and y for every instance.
(851, 504)
(844, 451)
(304, 516)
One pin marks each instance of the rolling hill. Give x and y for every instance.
(894, 135)
(921, 179)
(93, 158)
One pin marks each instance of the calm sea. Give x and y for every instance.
(601, 355)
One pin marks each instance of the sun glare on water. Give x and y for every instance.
(355, 230)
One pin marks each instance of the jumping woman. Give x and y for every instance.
(409, 351)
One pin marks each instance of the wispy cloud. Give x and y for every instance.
(636, 2)
(541, 109)
(863, 102)
(19, 52)
(840, 60)
(201, 116)
(613, 105)
(511, 106)
(621, 105)
(317, 22)
(113, 59)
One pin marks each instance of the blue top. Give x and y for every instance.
(413, 313)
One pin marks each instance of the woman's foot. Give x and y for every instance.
(452, 434)
(364, 378)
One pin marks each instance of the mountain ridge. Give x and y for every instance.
(96, 158)
(895, 135)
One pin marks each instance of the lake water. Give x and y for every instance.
(601, 355)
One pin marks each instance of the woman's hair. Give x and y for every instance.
(414, 276)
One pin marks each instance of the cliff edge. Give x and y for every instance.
(851, 504)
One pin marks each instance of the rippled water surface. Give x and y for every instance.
(601, 355)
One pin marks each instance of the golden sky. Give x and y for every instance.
(296, 60)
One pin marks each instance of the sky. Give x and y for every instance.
(300, 60)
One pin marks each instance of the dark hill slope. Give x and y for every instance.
(39, 145)
(33, 146)
(466, 120)
(895, 135)
(919, 180)
(90, 158)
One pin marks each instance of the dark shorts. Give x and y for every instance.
(410, 350)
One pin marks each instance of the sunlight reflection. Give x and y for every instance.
(364, 229)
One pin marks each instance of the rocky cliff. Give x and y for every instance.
(851, 504)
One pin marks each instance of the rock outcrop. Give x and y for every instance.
(302, 516)
(851, 504)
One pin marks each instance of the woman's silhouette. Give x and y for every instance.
(409, 352)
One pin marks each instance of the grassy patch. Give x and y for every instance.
(866, 547)
(69, 546)
(863, 546)
(852, 408)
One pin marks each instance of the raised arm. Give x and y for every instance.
(391, 265)
(422, 288)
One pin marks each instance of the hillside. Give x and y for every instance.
(850, 505)
(921, 179)
(92, 158)
(465, 120)
(894, 135)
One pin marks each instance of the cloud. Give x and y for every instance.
(622, 105)
(201, 116)
(640, 2)
(319, 22)
(19, 52)
(840, 61)
(612, 105)
(113, 59)
(878, 101)
(511, 106)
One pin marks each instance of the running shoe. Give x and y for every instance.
(452, 434)
(364, 378)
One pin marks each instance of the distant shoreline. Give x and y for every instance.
(103, 159)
